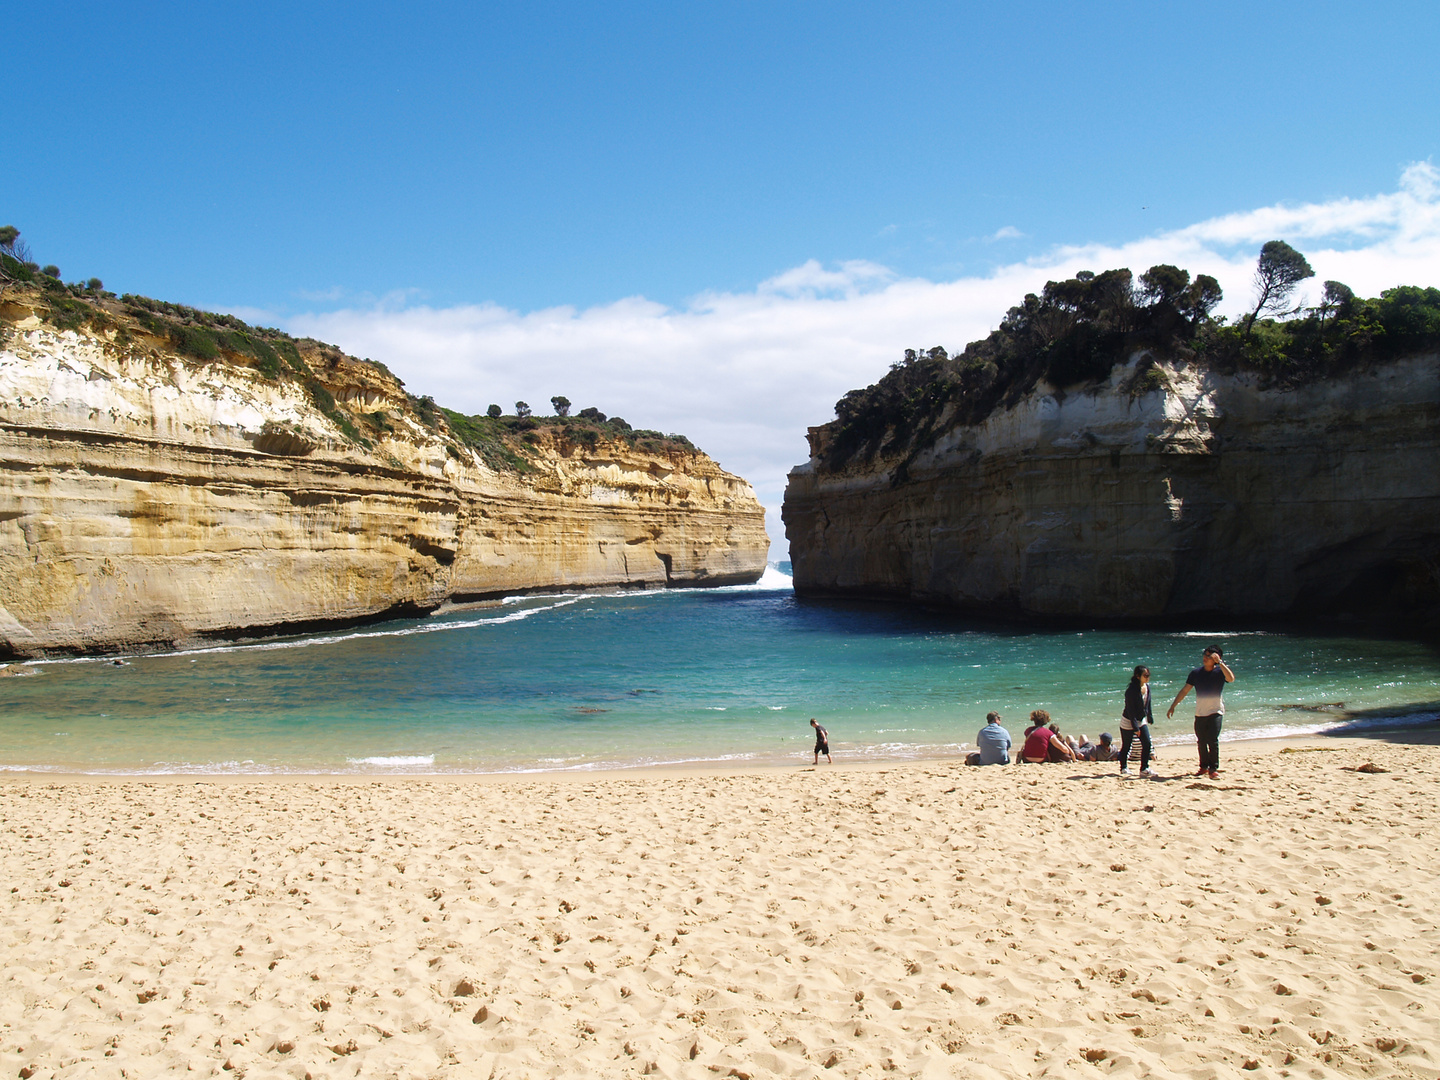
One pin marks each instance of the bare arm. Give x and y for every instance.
(1178, 698)
(1229, 675)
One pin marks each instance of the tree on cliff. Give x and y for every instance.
(1336, 299)
(1280, 269)
(494, 412)
(562, 405)
(1168, 292)
(1164, 284)
(13, 255)
(522, 410)
(1200, 300)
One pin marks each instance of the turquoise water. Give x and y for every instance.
(658, 678)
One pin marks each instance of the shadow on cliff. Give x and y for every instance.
(898, 611)
(886, 616)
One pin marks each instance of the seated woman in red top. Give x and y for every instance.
(1043, 742)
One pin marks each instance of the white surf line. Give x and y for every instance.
(394, 760)
(1220, 635)
(305, 643)
(564, 600)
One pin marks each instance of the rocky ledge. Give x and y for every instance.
(149, 498)
(1169, 490)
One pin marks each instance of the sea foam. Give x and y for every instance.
(398, 761)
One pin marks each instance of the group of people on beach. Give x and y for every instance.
(1043, 740)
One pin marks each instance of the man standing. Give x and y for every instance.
(1208, 681)
(993, 741)
(822, 743)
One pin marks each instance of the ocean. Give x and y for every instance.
(619, 680)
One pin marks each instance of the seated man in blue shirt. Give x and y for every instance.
(994, 743)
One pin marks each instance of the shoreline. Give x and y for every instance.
(1424, 732)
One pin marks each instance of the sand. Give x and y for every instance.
(916, 920)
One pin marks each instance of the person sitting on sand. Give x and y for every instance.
(1066, 744)
(994, 743)
(822, 743)
(1043, 742)
(1104, 750)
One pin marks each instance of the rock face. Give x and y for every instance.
(148, 499)
(1209, 494)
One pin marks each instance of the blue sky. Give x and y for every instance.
(295, 156)
(710, 218)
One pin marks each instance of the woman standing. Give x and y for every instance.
(1135, 722)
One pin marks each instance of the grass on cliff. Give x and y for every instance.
(1075, 331)
(505, 442)
(490, 437)
(200, 335)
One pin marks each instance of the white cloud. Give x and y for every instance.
(1006, 232)
(810, 278)
(744, 373)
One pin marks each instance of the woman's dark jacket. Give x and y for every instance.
(1136, 707)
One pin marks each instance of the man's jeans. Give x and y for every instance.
(1207, 737)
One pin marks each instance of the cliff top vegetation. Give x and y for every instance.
(1075, 331)
(508, 442)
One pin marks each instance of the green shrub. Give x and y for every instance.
(291, 355)
(67, 316)
(486, 434)
(378, 366)
(14, 269)
(193, 341)
(1148, 379)
(320, 395)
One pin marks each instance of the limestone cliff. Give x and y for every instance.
(150, 497)
(1170, 490)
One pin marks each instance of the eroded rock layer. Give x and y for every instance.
(149, 499)
(1208, 493)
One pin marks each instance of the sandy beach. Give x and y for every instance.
(917, 920)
